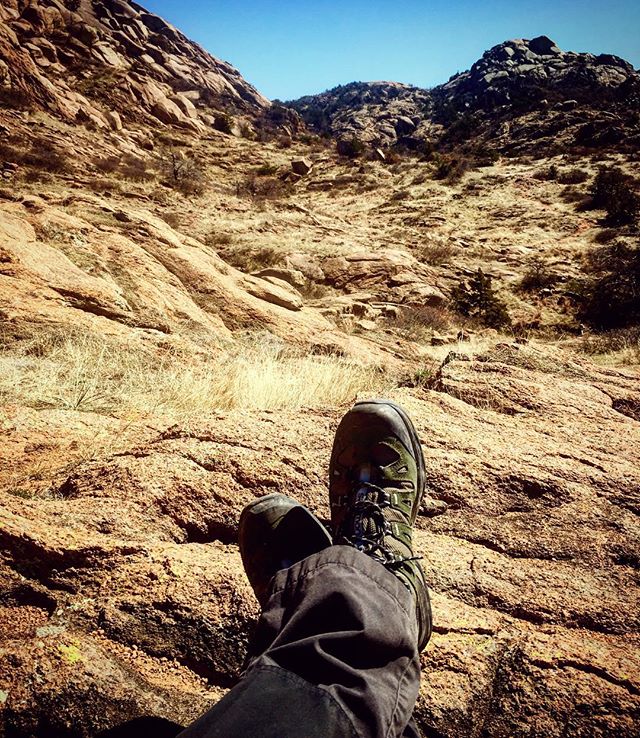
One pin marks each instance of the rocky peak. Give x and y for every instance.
(101, 61)
(516, 71)
(509, 81)
(376, 112)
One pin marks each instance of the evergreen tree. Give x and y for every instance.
(478, 300)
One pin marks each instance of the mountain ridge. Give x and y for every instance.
(508, 82)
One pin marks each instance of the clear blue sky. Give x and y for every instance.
(290, 48)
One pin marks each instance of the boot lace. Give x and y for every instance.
(367, 525)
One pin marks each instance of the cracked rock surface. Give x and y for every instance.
(122, 592)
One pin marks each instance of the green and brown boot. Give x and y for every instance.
(376, 484)
(274, 533)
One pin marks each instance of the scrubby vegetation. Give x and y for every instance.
(249, 258)
(182, 171)
(350, 147)
(537, 277)
(624, 343)
(449, 167)
(611, 292)
(477, 299)
(436, 253)
(262, 187)
(223, 122)
(40, 154)
(614, 191)
(418, 322)
(80, 371)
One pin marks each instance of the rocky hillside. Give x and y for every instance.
(519, 96)
(184, 318)
(376, 112)
(105, 62)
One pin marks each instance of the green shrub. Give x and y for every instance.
(350, 147)
(611, 294)
(478, 300)
(613, 191)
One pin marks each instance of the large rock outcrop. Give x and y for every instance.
(122, 588)
(519, 95)
(84, 61)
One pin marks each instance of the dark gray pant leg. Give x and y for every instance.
(336, 655)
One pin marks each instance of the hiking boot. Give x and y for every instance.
(274, 533)
(376, 483)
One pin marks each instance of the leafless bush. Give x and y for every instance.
(262, 188)
(46, 156)
(400, 195)
(416, 322)
(136, 169)
(449, 168)
(314, 290)
(606, 235)
(267, 170)
(182, 171)
(171, 218)
(16, 99)
(249, 258)
(537, 277)
(215, 239)
(104, 185)
(548, 174)
(572, 176)
(435, 254)
(625, 343)
(108, 164)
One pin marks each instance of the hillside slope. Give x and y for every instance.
(101, 61)
(185, 314)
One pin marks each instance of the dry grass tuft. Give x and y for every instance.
(83, 372)
(614, 348)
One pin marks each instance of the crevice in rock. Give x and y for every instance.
(28, 595)
(628, 407)
(215, 531)
(505, 549)
(35, 562)
(588, 669)
(441, 630)
(163, 630)
(516, 611)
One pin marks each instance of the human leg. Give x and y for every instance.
(335, 654)
(336, 647)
